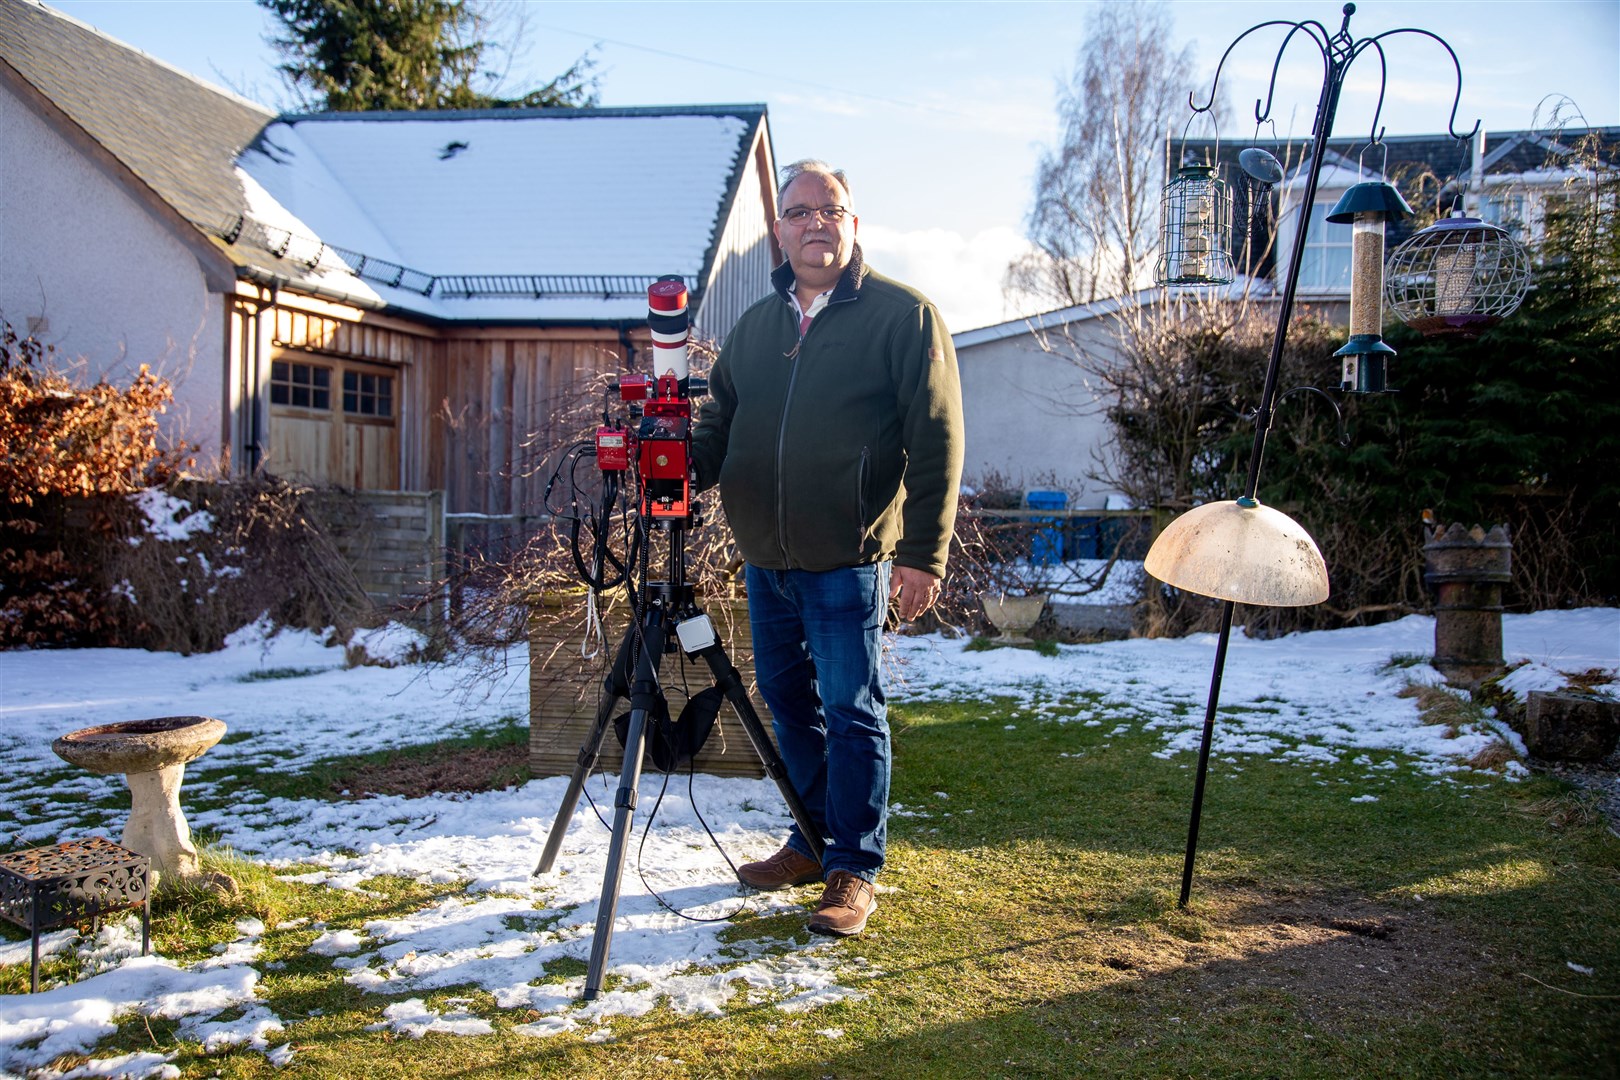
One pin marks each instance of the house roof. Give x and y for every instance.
(1405, 158)
(1057, 318)
(175, 134)
(479, 211)
(523, 215)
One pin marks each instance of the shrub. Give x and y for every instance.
(62, 446)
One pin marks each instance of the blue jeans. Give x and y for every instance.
(817, 640)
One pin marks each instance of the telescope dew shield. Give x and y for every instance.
(664, 436)
(667, 319)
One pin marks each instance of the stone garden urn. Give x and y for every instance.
(152, 756)
(1013, 616)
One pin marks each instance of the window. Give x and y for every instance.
(1505, 212)
(307, 386)
(368, 395)
(1326, 261)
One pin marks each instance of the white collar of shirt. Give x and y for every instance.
(815, 305)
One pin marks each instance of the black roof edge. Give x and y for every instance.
(383, 307)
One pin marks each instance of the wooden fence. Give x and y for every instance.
(395, 542)
(565, 686)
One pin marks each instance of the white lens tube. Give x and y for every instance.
(667, 319)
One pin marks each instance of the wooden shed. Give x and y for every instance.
(382, 301)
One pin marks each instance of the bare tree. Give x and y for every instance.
(1095, 217)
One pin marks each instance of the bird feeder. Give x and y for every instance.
(1460, 276)
(1365, 208)
(1195, 238)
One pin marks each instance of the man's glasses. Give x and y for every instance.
(801, 215)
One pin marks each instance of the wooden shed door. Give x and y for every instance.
(334, 421)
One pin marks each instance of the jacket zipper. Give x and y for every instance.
(781, 433)
(860, 495)
(781, 467)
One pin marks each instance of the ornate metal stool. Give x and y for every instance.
(46, 887)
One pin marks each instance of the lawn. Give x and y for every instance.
(1358, 914)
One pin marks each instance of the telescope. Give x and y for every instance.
(650, 453)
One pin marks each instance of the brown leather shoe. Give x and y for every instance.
(786, 867)
(845, 905)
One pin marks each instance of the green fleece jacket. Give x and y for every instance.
(845, 447)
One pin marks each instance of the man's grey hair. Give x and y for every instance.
(790, 173)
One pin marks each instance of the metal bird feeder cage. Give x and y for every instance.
(1195, 239)
(1460, 276)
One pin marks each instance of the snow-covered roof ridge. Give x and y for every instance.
(517, 204)
(549, 112)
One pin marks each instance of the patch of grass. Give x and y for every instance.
(271, 674)
(1029, 927)
(1441, 705)
(1039, 645)
(1401, 661)
(498, 760)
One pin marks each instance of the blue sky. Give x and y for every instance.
(939, 110)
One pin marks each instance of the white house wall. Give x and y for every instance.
(87, 269)
(742, 258)
(1029, 416)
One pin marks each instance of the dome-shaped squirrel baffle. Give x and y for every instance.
(1467, 568)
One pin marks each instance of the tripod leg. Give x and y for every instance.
(730, 682)
(615, 685)
(644, 695)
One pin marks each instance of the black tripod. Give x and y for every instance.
(668, 619)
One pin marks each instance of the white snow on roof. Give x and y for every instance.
(457, 195)
(326, 268)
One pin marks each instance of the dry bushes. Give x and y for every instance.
(62, 448)
(495, 590)
(261, 547)
(180, 567)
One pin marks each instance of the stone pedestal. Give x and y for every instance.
(1014, 616)
(1570, 727)
(152, 756)
(1467, 569)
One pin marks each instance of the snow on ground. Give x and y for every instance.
(288, 700)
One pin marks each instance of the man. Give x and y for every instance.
(834, 429)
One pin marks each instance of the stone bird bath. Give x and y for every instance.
(152, 755)
(1014, 616)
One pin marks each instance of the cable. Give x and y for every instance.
(776, 75)
(641, 849)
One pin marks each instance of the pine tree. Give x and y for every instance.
(1520, 426)
(359, 55)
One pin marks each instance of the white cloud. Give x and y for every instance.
(961, 274)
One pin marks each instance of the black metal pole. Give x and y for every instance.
(1339, 52)
(1203, 750)
(1326, 106)
(644, 697)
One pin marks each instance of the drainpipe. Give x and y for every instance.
(629, 349)
(1472, 204)
(255, 342)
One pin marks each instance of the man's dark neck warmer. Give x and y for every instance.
(849, 282)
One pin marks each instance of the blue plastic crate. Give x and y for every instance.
(1046, 548)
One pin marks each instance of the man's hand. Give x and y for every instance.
(917, 590)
